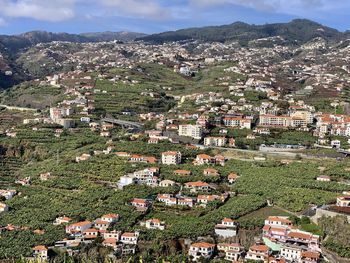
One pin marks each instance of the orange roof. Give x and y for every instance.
(170, 153)
(278, 229)
(128, 234)
(83, 223)
(279, 219)
(139, 201)
(197, 184)
(228, 220)
(203, 245)
(203, 156)
(40, 248)
(266, 228)
(101, 222)
(310, 254)
(210, 170)
(90, 230)
(111, 216)
(182, 172)
(110, 241)
(154, 220)
(299, 235)
(232, 176)
(261, 248)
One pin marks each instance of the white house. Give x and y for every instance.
(204, 250)
(227, 228)
(129, 238)
(171, 157)
(41, 252)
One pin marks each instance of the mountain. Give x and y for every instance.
(17, 42)
(11, 48)
(111, 36)
(301, 30)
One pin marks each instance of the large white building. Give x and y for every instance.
(171, 157)
(194, 131)
(215, 141)
(237, 121)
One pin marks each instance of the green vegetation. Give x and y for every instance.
(338, 234)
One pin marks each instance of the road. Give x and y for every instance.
(123, 123)
(280, 154)
(17, 108)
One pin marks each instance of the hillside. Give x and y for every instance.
(300, 30)
(17, 42)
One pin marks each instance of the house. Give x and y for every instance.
(8, 194)
(83, 157)
(304, 238)
(210, 172)
(166, 183)
(142, 159)
(129, 238)
(205, 199)
(110, 242)
(219, 160)
(141, 204)
(232, 142)
(171, 158)
(233, 251)
(168, 199)
(237, 121)
(343, 201)
(112, 234)
(24, 182)
(182, 172)
(258, 252)
(110, 218)
(45, 176)
(62, 220)
(41, 252)
(185, 201)
(122, 154)
(3, 207)
(197, 186)
(278, 221)
(154, 224)
(101, 224)
(78, 228)
(227, 228)
(153, 141)
(310, 257)
(215, 141)
(323, 178)
(291, 253)
(203, 159)
(232, 177)
(201, 250)
(90, 233)
(335, 144)
(193, 131)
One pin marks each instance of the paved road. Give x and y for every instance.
(123, 123)
(17, 108)
(282, 154)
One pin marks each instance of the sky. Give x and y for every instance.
(152, 16)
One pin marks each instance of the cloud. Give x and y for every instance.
(2, 22)
(150, 9)
(44, 10)
(280, 6)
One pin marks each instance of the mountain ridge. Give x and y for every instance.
(301, 30)
(15, 43)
